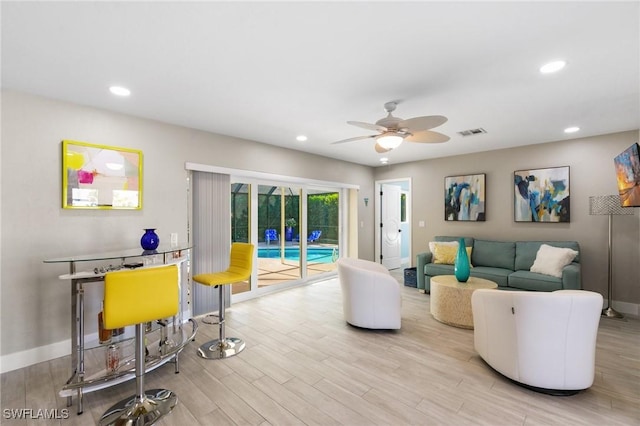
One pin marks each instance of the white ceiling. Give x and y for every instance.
(268, 71)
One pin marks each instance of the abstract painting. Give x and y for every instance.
(628, 176)
(100, 176)
(542, 195)
(464, 198)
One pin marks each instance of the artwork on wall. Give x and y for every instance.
(464, 198)
(100, 176)
(628, 176)
(542, 195)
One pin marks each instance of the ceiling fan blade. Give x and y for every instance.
(380, 149)
(427, 136)
(357, 138)
(418, 124)
(368, 126)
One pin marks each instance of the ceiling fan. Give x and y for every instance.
(395, 130)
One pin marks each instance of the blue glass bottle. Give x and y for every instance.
(461, 264)
(150, 239)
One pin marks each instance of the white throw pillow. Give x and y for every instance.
(550, 260)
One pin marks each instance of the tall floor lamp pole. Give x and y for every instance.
(609, 205)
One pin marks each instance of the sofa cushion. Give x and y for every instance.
(526, 252)
(499, 276)
(526, 280)
(497, 254)
(550, 260)
(468, 241)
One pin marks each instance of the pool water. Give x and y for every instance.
(317, 255)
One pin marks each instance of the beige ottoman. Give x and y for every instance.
(451, 300)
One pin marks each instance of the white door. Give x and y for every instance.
(390, 226)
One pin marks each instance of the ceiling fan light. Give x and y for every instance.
(389, 140)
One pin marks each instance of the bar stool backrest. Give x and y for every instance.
(140, 295)
(241, 260)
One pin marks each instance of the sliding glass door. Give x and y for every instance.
(278, 225)
(323, 226)
(240, 224)
(296, 230)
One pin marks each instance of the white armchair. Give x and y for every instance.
(370, 295)
(543, 340)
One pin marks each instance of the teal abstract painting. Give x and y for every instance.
(464, 197)
(542, 195)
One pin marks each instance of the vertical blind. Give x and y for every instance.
(211, 233)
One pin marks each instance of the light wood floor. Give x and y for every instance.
(304, 365)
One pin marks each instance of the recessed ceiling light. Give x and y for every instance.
(552, 67)
(119, 91)
(571, 129)
(301, 138)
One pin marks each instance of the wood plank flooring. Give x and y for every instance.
(304, 365)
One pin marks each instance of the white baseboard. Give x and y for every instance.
(32, 356)
(39, 354)
(626, 308)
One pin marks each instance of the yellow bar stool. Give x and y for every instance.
(240, 268)
(136, 297)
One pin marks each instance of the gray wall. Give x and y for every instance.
(34, 302)
(591, 173)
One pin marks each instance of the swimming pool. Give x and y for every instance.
(315, 254)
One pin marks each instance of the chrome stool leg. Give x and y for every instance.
(223, 347)
(147, 406)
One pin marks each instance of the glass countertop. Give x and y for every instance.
(119, 254)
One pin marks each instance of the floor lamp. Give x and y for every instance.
(608, 205)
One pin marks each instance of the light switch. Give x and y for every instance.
(421, 224)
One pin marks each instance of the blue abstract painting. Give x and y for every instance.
(542, 195)
(464, 197)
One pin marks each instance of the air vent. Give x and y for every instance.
(472, 132)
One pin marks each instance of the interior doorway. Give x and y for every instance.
(393, 223)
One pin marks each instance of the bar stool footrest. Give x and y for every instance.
(215, 350)
(212, 319)
(132, 411)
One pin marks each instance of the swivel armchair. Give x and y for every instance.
(545, 341)
(371, 297)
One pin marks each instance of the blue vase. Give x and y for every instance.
(461, 264)
(150, 239)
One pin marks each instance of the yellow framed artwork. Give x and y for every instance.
(100, 176)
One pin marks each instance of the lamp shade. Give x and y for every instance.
(389, 140)
(606, 205)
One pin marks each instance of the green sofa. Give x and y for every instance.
(507, 263)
